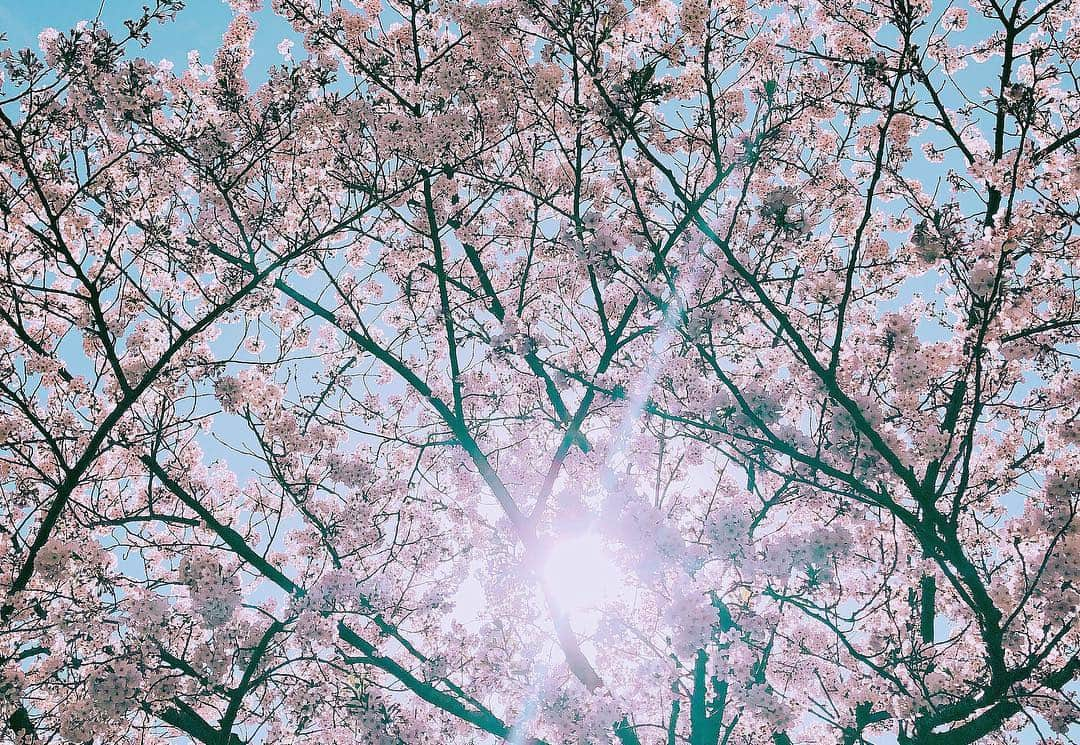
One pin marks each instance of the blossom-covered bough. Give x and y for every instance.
(765, 314)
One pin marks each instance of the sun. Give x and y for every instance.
(581, 574)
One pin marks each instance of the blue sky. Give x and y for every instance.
(199, 26)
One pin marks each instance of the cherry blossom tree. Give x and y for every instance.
(544, 371)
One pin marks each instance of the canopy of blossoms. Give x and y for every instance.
(544, 371)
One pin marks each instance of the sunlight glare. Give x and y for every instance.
(581, 573)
